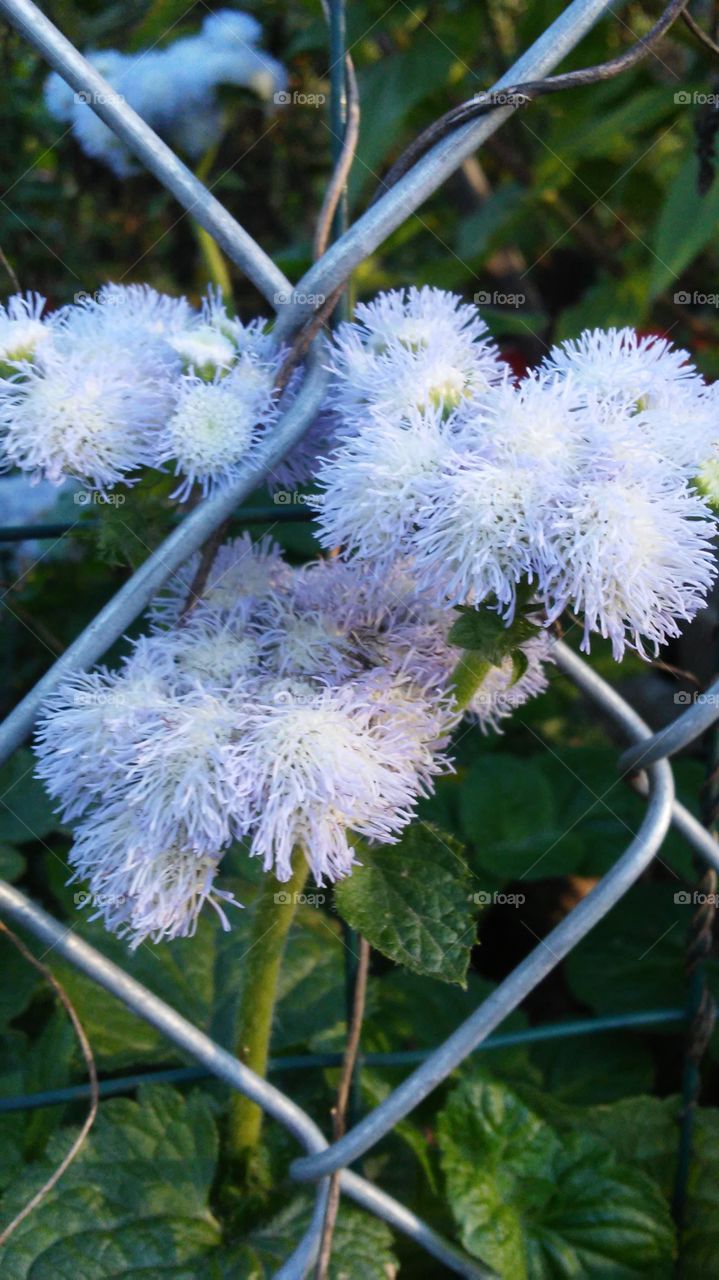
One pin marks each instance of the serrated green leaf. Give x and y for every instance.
(538, 1205)
(645, 1131)
(641, 1130)
(412, 901)
(135, 1197)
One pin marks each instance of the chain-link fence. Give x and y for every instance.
(645, 762)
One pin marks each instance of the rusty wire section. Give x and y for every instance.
(645, 759)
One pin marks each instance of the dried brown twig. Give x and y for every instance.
(67, 1160)
(339, 1113)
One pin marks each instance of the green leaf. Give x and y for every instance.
(25, 809)
(507, 811)
(311, 992)
(634, 957)
(535, 1204)
(413, 902)
(642, 1131)
(645, 1130)
(20, 981)
(135, 1201)
(593, 1069)
(686, 224)
(700, 1238)
(361, 1249)
(476, 231)
(485, 632)
(12, 863)
(180, 972)
(389, 90)
(608, 131)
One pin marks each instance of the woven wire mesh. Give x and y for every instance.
(646, 758)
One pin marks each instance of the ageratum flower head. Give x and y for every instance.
(174, 89)
(129, 379)
(373, 483)
(139, 896)
(619, 366)
(327, 762)
(23, 328)
(89, 402)
(286, 707)
(242, 574)
(563, 481)
(632, 554)
(211, 430)
(415, 349)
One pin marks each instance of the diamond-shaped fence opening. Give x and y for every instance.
(646, 758)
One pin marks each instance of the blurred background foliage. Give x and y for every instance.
(586, 206)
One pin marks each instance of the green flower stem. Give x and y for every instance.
(212, 256)
(271, 923)
(467, 676)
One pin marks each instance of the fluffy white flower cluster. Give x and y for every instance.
(287, 707)
(132, 378)
(174, 89)
(580, 479)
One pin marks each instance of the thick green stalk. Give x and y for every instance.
(272, 914)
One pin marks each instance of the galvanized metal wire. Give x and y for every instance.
(646, 757)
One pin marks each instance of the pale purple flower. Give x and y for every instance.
(631, 553)
(141, 891)
(412, 349)
(241, 571)
(326, 763)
